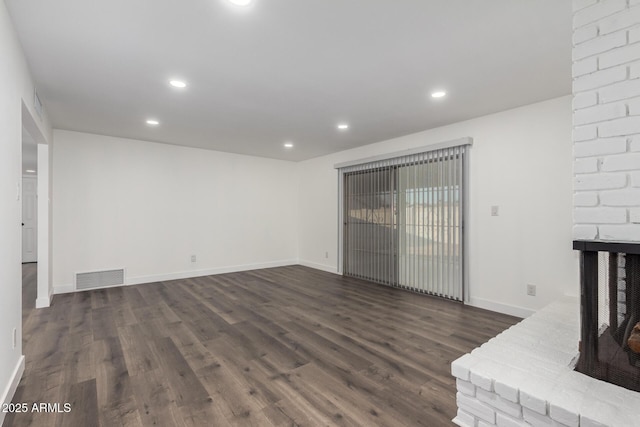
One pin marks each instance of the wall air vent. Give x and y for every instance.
(100, 279)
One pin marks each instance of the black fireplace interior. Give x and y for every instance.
(610, 312)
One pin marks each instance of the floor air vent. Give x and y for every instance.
(100, 279)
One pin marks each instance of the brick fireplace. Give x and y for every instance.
(606, 141)
(526, 376)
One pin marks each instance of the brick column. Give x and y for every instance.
(606, 119)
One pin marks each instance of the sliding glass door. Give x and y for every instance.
(370, 225)
(403, 222)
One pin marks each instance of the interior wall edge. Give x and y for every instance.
(11, 388)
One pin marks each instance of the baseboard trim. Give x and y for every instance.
(63, 289)
(10, 390)
(327, 268)
(511, 310)
(43, 302)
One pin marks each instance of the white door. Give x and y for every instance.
(29, 220)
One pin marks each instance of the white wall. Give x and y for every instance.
(16, 87)
(148, 207)
(521, 160)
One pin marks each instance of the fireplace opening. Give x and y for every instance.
(610, 312)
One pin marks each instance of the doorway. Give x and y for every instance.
(35, 193)
(29, 219)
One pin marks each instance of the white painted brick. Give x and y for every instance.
(566, 392)
(619, 399)
(481, 381)
(596, 411)
(465, 387)
(626, 197)
(597, 11)
(485, 424)
(599, 45)
(619, 56)
(475, 408)
(564, 415)
(585, 66)
(635, 179)
(503, 420)
(584, 232)
(626, 232)
(634, 144)
(600, 79)
(623, 19)
(617, 127)
(608, 181)
(585, 33)
(634, 34)
(585, 199)
(599, 113)
(533, 402)
(628, 161)
(634, 215)
(598, 147)
(634, 70)
(584, 99)
(585, 133)
(463, 419)
(537, 420)
(588, 422)
(585, 165)
(581, 4)
(599, 215)
(461, 366)
(506, 391)
(623, 90)
(634, 106)
(503, 405)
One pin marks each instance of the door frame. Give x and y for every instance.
(45, 290)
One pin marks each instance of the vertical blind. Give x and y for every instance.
(403, 221)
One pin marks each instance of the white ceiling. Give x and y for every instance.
(289, 70)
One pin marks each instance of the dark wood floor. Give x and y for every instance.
(283, 346)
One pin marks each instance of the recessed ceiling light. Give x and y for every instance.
(288, 145)
(241, 2)
(343, 126)
(178, 83)
(438, 94)
(30, 171)
(153, 122)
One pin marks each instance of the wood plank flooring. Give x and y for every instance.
(288, 346)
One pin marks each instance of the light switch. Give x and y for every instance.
(494, 210)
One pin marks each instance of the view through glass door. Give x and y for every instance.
(403, 222)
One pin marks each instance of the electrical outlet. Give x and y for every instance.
(326, 254)
(193, 258)
(531, 290)
(494, 210)
(15, 337)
